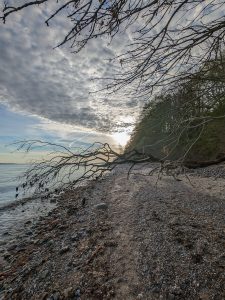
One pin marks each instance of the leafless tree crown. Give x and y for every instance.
(170, 38)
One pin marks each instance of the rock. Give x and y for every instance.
(28, 222)
(62, 227)
(140, 296)
(174, 221)
(83, 202)
(121, 280)
(197, 258)
(101, 206)
(44, 274)
(77, 293)
(50, 243)
(204, 296)
(156, 290)
(74, 237)
(54, 296)
(53, 200)
(28, 233)
(12, 247)
(71, 210)
(44, 296)
(171, 296)
(6, 255)
(111, 244)
(64, 250)
(68, 293)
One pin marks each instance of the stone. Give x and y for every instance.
(44, 274)
(197, 258)
(171, 296)
(77, 293)
(54, 296)
(204, 296)
(28, 233)
(28, 222)
(53, 200)
(156, 290)
(68, 293)
(74, 237)
(64, 250)
(12, 247)
(174, 221)
(44, 296)
(50, 243)
(6, 255)
(101, 206)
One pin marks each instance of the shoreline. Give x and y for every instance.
(121, 238)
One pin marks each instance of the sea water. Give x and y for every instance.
(11, 176)
(9, 180)
(13, 217)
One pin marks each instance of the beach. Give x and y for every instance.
(123, 238)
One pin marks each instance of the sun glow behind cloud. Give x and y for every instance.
(121, 138)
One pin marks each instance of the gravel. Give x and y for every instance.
(149, 239)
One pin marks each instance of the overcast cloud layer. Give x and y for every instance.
(55, 84)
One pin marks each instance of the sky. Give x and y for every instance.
(45, 92)
(49, 93)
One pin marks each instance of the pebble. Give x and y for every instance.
(74, 237)
(101, 206)
(68, 293)
(44, 274)
(77, 293)
(64, 250)
(171, 296)
(28, 222)
(28, 233)
(54, 296)
(12, 247)
(6, 255)
(204, 296)
(53, 200)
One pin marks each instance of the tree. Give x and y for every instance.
(171, 38)
(188, 123)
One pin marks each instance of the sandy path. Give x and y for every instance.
(123, 261)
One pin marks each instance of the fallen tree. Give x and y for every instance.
(66, 168)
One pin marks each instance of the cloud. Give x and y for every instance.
(56, 84)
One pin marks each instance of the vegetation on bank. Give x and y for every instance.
(188, 122)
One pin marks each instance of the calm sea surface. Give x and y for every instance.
(9, 174)
(13, 219)
(9, 180)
